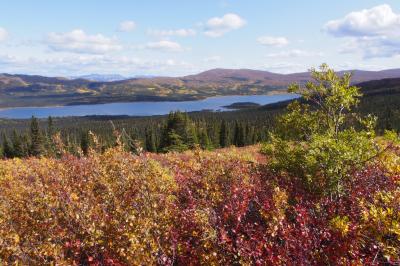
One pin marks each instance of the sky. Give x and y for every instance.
(177, 38)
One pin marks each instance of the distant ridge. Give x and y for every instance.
(285, 79)
(101, 77)
(33, 90)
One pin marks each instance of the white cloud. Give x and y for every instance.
(218, 26)
(375, 32)
(285, 67)
(359, 66)
(76, 65)
(212, 59)
(273, 41)
(165, 45)
(372, 47)
(379, 20)
(3, 34)
(127, 26)
(294, 53)
(77, 41)
(168, 33)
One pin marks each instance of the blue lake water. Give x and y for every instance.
(141, 108)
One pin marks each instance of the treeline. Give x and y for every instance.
(176, 132)
(35, 142)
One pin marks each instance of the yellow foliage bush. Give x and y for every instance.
(381, 222)
(112, 203)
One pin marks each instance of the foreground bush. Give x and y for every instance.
(199, 208)
(321, 140)
(327, 193)
(110, 207)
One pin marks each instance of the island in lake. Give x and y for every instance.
(242, 105)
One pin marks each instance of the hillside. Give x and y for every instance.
(322, 189)
(26, 90)
(383, 86)
(201, 208)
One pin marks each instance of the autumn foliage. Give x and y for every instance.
(326, 194)
(223, 207)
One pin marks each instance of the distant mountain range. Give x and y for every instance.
(110, 77)
(27, 90)
(101, 77)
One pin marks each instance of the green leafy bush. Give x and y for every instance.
(317, 140)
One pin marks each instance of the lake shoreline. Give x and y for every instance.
(154, 100)
(142, 109)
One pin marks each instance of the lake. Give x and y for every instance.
(141, 108)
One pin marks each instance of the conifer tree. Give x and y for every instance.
(179, 134)
(50, 127)
(239, 136)
(49, 143)
(8, 151)
(17, 144)
(36, 148)
(85, 142)
(205, 142)
(223, 135)
(150, 141)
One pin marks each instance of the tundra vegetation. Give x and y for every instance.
(323, 189)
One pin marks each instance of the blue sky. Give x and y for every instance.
(67, 38)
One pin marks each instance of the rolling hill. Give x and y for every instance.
(27, 90)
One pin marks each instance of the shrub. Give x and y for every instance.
(319, 142)
(106, 207)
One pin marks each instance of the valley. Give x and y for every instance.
(36, 91)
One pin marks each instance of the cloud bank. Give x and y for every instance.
(126, 26)
(375, 31)
(273, 41)
(3, 34)
(77, 41)
(218, 26)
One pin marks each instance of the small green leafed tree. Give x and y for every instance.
(319, 139)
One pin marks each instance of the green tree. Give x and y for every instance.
(18, 145)
(150, 140)
(317, 140)
(85, 142)
(205, 142)
(49, 142)
(175, 143)
(36, 148)
(224, 135)
(8, 149)
(179, 133)
(50, 127)
(239, 135)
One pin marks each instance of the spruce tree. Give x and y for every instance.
(239, 135)
(50, 127)
(8, 150)
(49, 143)
(223, 135)
(25, 144)
(179, 134)
(150, 140)
(36, 148)
(84, 143)
(17, 145)
(205, 142)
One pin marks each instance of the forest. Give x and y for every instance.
(314, 181)
(210, 130)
